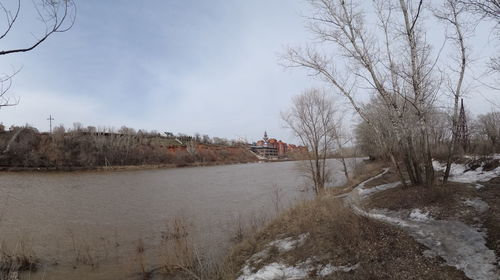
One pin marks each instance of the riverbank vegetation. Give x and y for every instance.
(315, 120)
(332, 237)
(88, 148)
(16, 259)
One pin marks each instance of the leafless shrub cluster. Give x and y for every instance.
(485, 133)
(15, 260)
(181, 258)
(315, 120)
(90, 147)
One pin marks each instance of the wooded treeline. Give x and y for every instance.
(483, 135)
(25, 147)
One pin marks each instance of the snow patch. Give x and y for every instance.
(477, 204)
(418, 215)
(362, 184)
(478, 186)
(460, 173)
(458, 244)
(278, 270)
(303, 270)
(289, 243)
(364, 193)
(273, 271)
(329, 269)
(475, 175)
(382, 215)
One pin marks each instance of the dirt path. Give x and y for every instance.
(460, 245)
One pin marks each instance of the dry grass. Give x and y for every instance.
(444, 202)
(177, 248)
(180, 258)
(85, 252)
(410, 197)
(13, 261)
(339, 237)
(491, 219)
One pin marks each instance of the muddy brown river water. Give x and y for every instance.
(87, 225)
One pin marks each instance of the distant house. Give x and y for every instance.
(271, 148)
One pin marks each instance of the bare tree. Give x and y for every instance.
(452, 13)
(397, 66)
(485, 8)
(311, 118)
(488, 10)
(489, 126)
(340, 140)
(191, 148)
(56, 15)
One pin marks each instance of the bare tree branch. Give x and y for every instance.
(52, 20)
(57, 16)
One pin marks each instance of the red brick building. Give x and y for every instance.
(272, 148)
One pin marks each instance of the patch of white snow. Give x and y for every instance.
(438, 166)
(274, 271)
(329, 269)
(460, 173)
(477, 204)
(477, 175)
(289, 243)
(362, 184)
(458, 244)
(478, 186)
(364, 193)
(277, 270)
(418, 215)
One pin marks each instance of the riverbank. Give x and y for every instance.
(374, 228)
(6, 169)
(25, 148)
(118, 167)
(16, 169)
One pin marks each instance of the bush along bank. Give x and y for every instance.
(25, 148)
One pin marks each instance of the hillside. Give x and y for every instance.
(26, 148)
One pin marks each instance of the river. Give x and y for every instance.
(88, 225)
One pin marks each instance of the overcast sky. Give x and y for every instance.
(180, 66)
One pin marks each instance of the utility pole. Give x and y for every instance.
(50, 119)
